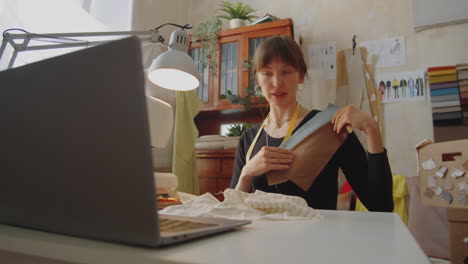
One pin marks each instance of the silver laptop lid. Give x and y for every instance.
(75, 153)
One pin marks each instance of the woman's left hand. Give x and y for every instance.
(358, 119)
(350, 115)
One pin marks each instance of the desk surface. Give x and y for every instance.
(340, 237)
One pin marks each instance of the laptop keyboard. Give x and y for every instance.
(173, 226)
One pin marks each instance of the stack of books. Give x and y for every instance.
(445, 95)
(265, 18)
(463, 84)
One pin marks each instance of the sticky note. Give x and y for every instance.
(447, 197)
(441, 172)
(463, 186)
(428, 193)
(457, 173)
(429, 164)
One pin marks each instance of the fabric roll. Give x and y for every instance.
(449, 115)
(448, 122)
(443, 78)
(446, 103)
(447, 97)
(446, 109)
(440, 68)
(442, 72)
(445, 91)
(463, 75)
(443, 85)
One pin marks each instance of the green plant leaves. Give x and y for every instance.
(237, 10)
(207, 33)
(236, 130)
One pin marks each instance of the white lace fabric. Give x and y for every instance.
(244, 206)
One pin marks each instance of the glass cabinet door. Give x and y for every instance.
(229, 68)
(202, 90)
(232, 72)
(253, 44)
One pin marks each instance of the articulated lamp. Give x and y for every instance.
(173, 69)
(174, 64)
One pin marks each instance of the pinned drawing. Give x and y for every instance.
(388, 52)
(323, 56)
(401, 86)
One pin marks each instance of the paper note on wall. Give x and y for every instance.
(323, 56)
(388, 52)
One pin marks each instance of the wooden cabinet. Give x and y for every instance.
(235, 49)
(215, 170)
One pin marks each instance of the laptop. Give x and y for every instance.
(75, 155)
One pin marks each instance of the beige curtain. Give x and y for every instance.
(185, 134)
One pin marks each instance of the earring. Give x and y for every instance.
(300, 87)
(258, 89)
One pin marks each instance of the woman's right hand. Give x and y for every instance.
(267, 159)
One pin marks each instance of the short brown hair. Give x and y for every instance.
(283, 48)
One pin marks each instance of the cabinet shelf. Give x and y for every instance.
(252, 28)
(235, 47)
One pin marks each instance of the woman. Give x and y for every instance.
(279, 68)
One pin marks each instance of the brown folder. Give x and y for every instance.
(310, 157)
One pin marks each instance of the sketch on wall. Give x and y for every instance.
(388, 52)
(401, 86)
(323, 56)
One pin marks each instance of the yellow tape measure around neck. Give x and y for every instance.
(291, 125)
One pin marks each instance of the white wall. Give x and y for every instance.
(149, 14)
(405, 124)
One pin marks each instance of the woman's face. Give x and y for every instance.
(279, 82)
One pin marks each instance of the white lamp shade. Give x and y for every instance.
(174, 70)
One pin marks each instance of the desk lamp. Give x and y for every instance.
(173, 69)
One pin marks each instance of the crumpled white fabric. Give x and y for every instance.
(244, 206)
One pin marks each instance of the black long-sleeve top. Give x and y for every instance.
(369, 175)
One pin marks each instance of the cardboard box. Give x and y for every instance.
(458, 226)
(443, 168)
(437, 163)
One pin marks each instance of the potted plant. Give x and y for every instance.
(207, 33)
(237, 13)
(235, 130)
(254, 97)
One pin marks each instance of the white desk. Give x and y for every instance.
(341, 237)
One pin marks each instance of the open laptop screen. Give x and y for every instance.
(75, 155)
